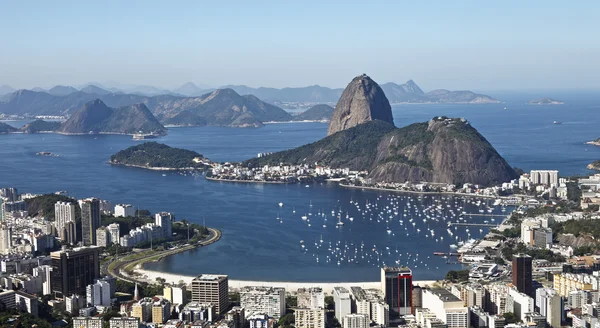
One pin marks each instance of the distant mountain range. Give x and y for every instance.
(408, 92)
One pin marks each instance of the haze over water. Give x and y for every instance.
(254, 244)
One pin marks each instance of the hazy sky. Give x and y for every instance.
(440, 44)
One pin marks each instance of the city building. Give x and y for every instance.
(124, 322)
(64, 213)
(5, 239)
(7, 297)
(73, 303)
(143, 309)
(103, 237)
(26, 303)
(475, 295)
(447, 307)
(210, 288)
(237, 315)
(380, 313)
(98, 293)
(9, 194)
(90, 220)
(341, 299)
(521, 273)
(355, 321)
(549, 304)
(565, 283)
(360, 302)
(176, 294)
(544, 177)
(519, 303)
(310, 298)
(194, 311)
(265, 300)
(161, 310)
(542, 237)
(124, 210)
(73, 270)
(310, 318)
(396, 284)
(88, 322)
(260, 321)
(114, 231)
(165, 221)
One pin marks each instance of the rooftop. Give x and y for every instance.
(210, 277)
(445, 295)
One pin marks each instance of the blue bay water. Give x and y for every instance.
(255, 245)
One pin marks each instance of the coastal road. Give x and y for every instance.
(132, 260)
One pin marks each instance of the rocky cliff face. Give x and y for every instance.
(96, 117)
(443, 150)
(362, 101)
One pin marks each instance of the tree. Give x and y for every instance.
(291, 301)
(287, 320)
(510, 317)
(457, 276)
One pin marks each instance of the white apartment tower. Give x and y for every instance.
(267, 300)
(341, 298)
(64, 213)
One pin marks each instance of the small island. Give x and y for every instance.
(594, 142)
(46, 153)
(157, 156)
(545, 101)
(595, 165)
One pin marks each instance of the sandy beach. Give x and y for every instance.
(288, 285)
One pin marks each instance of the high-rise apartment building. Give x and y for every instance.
(143, 309)
(103, 237)
(124, 210)
(267, 300)
(396, 284)
(521, 273)
(64, 212)
(355, 321)
(341, 299)
(90, 220)
(210, 288)
(5, 239)
(310, 297)
(176, 294)
(73, 270)
(309, 318)
(165, 221)
(114, 231)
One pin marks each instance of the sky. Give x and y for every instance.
(477, 45)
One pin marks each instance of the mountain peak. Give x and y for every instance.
(362, 101)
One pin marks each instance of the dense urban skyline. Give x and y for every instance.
(471, 45)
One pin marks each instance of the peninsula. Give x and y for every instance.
(362, 137)
(595, 165)
(594, 142)
(157, 156)
(545, 101)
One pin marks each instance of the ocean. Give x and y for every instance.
(265, 241)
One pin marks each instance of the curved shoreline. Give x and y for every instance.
(156, 168)
(421, 192)
(234, 284)
(246, 181)
(138, 263)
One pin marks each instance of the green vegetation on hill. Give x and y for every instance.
(5, 128)
(156, 155)
(458, 276)
(578, 228)
(40, 126)
(44, 205)
(315, 113)
(354, 148)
